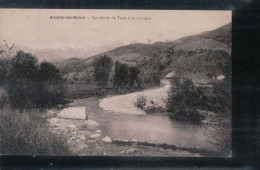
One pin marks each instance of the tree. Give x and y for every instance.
(102, 68)
(23, 80)
(31, 85)
(150, 71)
(133, 75)
(51, 87)
(6, 53)
(121, 76)
(220, 99)
(184, 100)
(4, 67)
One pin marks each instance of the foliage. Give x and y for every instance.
(102, 68)
(3, 98)
(150, 71)
(183, 101)
(22, 84)
(121, 76)
(220, 97)
(151, 76)
(141, 102)
(6, 53)
(4, 66)
(202, 61)
(51, 90)
(29, 85)
(27, 133)
(133, 76)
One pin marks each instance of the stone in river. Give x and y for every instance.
(94, 135)
(98, 131)
(72, 126)
(53, 121)
(107, 139)
(92, 123)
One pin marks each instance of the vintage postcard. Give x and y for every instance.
(115, 82)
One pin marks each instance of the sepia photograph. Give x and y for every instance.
(82, 82)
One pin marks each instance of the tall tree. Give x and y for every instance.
(102, 68)
(121, 76)
(184, 100)
(133, 75)
(31, 85)
(23, 80)
(6, 53)
(51, 88)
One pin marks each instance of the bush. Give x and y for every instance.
(22, 81)
(3, 98)
(51, 89)
(220, 99)
(141, 102)
(184, 100)
(31, 85)
(102, 68)
(191, 115)
(26, 133)
(154, 109)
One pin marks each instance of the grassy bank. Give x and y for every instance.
(27, 133)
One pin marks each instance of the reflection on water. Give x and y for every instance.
(155, 129)
(145, 128)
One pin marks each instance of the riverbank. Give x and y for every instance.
(27, 133)
(88, 137)
(108, 133)
(154, 97)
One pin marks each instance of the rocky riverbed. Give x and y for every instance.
(113, 126)
(89, 137)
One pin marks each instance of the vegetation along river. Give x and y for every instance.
(130, 132)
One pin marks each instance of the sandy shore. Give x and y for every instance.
(126, 103)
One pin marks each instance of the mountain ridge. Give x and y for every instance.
(196, 47)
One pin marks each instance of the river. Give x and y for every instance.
(137, 125)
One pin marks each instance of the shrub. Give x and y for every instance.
(154, 109)
(220, 99)
(31, 85)
(102, 68)
(51, 89)
(141, 102)
(121, 76)
(184, 100)
(22, 80)
(26, 133)
(185, 114)
(3, 98)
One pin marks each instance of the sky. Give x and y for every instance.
(34, 28)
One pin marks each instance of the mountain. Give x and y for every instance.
(218, 39)
(60, 54)
(222, 34)
(196, 53)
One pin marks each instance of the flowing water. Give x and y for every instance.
(121, 120)
(154, 129)
(151, 128)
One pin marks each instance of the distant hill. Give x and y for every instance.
(218, 39)
(60, 54)
(222, 34)
(196, 53)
